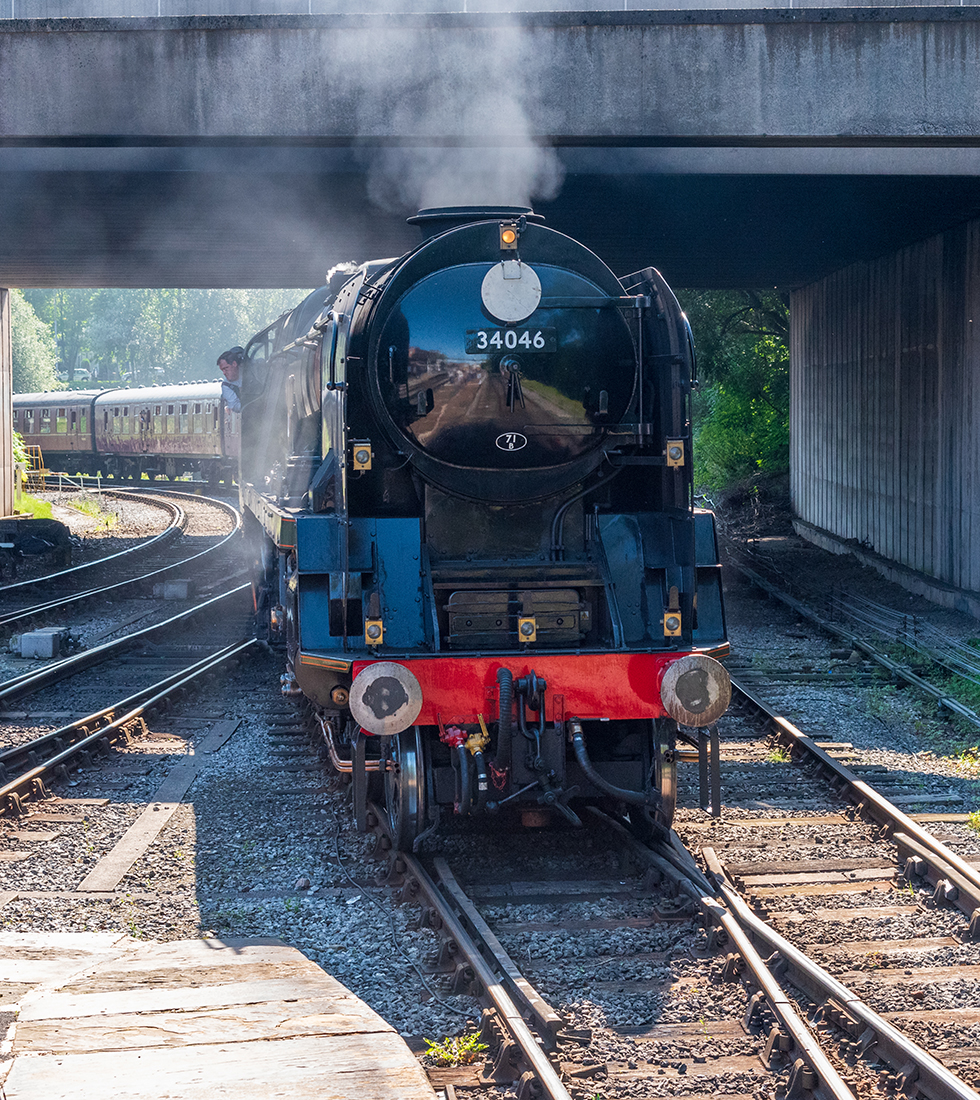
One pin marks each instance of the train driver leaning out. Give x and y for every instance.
(230, 363)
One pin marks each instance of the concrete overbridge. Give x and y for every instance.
(835, 152)
(728, 147)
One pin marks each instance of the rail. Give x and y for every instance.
(812, 1071)
(953, 877)
(943, 698)
(28, 682)
(82, 739)
(176, 524)
(52, 605)
(492, 983)
(931, 1078)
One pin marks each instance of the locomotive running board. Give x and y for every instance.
(277, 523)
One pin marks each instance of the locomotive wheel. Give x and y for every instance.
(405, 800)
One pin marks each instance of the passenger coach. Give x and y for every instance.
(125, 433)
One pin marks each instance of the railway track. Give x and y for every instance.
(177, 522)
(128, 650)
(630, 987)
(150, 670)
(159, 557)
(26, 768)
(122, 841)
(829, 621)
(832, 935)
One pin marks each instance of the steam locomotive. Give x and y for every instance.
(466, 477)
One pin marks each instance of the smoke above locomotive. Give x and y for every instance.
(466, 474)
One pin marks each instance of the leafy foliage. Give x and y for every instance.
(741, 415)
(35, 354)
(142, 337)
(20, 449)
(67, 312)
(455, 1050)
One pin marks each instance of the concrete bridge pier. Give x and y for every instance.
(885, 408)
(6, 409)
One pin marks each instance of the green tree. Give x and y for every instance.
(150, 335)
(130, 334)
(741, 415)
(67, 312)
(35, 352)
(214, 320)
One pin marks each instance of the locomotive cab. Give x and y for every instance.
(468, 477)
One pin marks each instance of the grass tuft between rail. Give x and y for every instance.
(455, 1050)
(89, 507)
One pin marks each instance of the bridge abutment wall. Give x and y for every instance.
(885, 383)
(6, 409)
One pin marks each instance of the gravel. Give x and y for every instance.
(254, 854)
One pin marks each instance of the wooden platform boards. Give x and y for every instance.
(87, 1015)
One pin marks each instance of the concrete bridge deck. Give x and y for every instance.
(772, 77)
(729, 147)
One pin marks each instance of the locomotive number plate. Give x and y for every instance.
(511, 339)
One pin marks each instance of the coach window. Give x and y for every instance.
(46, 420)
(182, 420)
(62, 423)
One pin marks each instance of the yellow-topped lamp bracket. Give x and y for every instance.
(362, 455)
(509, 236)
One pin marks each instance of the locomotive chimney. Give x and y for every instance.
(437, 219)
